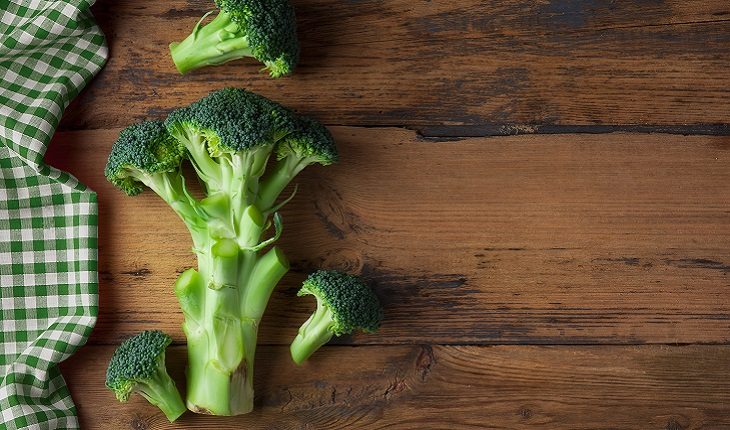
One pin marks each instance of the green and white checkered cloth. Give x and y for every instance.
(49, 50)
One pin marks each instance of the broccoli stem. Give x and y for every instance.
(272, 266)
(313, 334)
(160, 390)
(214, 387)
(235, 284)
(273, 184)
(215, 43)
(225, 264)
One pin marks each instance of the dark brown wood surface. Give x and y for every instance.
(455, 387)
(576, 276)
(618, 238)
(504, 66)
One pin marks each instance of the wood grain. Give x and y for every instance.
(568, 239)
(455, 387)
(512, 64)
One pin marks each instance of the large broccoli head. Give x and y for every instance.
(231, 120)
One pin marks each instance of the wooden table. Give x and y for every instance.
(538, 190)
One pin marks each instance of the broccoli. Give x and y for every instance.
(230, 137)
(145, 154)
(138, 366)
(263, 29)
(344, 304)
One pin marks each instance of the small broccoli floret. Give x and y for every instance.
(138, 366)
(263, 29)
(308, 143)
(145, 154)
(344, 304)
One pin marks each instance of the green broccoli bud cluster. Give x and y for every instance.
(142, 152)
(138, 366)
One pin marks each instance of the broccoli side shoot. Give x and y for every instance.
(344, 304)
(262, 29)
(146, 154)
(309, 142)
(138, 366)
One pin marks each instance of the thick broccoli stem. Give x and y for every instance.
(224, 272)
(222, 338)
(245, 171)
(217, 42)
(314, 333)
(160, 390)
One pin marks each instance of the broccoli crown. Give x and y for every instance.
(232, 120)
(353, 303)
(270, 27)
(145, 147)
(309, 140)
(136, 359)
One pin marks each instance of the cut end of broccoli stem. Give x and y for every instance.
(225, 254)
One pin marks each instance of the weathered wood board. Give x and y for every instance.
(521, 275)
(617, 238)
(509, 65)
(455, 387)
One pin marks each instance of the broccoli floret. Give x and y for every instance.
(138, 366)
(229, 137)
(345, 303)
(263, 29)
(145, 154)
(308, 143)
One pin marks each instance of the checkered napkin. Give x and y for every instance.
(49, 50)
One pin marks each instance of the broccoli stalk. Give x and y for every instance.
(223, 302)
(138, 366)
(265, 30)
(344, 304)
(218, 42)
(229, 137)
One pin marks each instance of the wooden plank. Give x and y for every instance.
(617, 238)
(461, 62)
(455, 387)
